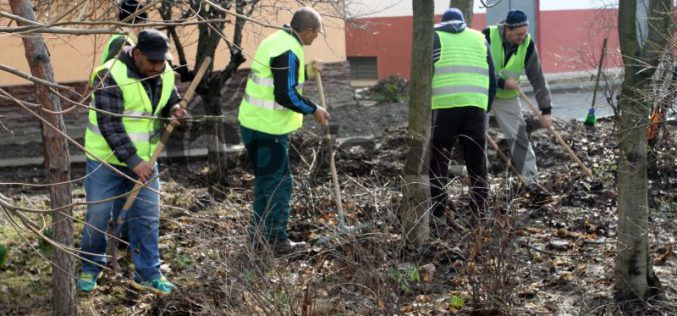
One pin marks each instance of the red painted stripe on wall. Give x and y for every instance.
(569, 41)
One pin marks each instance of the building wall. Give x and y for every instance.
(73, 57)
(569, 37)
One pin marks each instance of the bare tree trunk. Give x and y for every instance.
(635, 280)
(210, 89)
(466, 6)
(57, 164)
(416, 189)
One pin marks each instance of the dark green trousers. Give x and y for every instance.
(269, 158)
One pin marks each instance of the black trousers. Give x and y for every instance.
(468, 125)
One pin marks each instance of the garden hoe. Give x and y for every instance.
(122, 217)
(343, 229)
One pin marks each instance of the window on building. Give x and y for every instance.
(363, 68)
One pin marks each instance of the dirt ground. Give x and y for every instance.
(548, 251)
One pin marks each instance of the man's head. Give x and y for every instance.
(307, 23)
(516, 27)
(129, 7)
(452, 14)
(151, 52)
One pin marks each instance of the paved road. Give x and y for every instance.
(574, 104)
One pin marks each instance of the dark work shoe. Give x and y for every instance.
(538, 195)
(286, 246)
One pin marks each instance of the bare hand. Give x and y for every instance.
(321, 116)
(511, 84)
(314, 67)
(546, 120)
(178, 113)
(144, 170)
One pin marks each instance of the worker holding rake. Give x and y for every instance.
(138, 84)
(513, 52)
(273, 106)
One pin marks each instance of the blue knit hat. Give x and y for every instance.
(516, 18)
(452, 14)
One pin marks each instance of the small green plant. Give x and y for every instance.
(414, 275)
(184, 262)
(405, 280)
(3, 255)
(457, 302)
(391, 93)
(43, 244)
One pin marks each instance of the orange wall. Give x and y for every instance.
(73, 57)
(568, 41)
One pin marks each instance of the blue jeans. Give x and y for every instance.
(142, 220)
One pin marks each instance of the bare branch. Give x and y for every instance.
(18, 73)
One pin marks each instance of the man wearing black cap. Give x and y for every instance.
(126, 8)
(464, 85)
(514, 51)
(134, 94)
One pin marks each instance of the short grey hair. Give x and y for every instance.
(306, 18)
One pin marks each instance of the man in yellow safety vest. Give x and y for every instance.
(273, 106)
(513, 52)
(463, 86)
(132, 94)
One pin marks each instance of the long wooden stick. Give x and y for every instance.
(505, 159)
(557, 136)
(165, 136)
(599, 72)
(332, 163)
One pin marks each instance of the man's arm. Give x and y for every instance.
(109, 98)
(437, 48)
(535, 75)
(492, 77)
(174, 100)
(285, 70)
(500, 82)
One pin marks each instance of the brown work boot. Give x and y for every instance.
(286, 246)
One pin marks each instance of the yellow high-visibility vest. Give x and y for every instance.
(258, 109)
(461, 75)
(513, 67)
(144, 132)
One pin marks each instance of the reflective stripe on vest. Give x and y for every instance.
(461, 76)
(513, 67)
(269, 82)
(272, 105)
(144, 129)
(258, 109)
(135, 137)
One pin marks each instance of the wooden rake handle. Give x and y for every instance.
(332, 162)
(165, 135)
(505, 159)
(561, 141)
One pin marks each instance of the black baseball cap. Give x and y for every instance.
(129, 7)
(154, 45)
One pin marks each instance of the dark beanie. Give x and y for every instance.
(129, 7)
(452, 14)
(516, 18)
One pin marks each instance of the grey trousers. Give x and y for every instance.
(508, 114)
